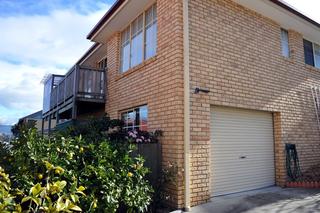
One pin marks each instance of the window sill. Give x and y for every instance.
(312, 68)
(135, 68)
(288, 59)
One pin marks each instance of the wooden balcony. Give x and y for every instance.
(79, 84)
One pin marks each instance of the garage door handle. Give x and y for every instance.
(243, 157)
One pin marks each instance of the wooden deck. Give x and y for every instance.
(80, 84)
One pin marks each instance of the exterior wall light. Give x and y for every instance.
(198, 90)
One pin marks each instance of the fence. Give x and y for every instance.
(152, 155)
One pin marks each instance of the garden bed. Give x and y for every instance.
(303, 184)
(309, 179)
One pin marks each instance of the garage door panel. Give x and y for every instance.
(224, 174)
(241, 186)
(236, 133)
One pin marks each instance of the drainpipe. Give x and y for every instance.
(186, 106)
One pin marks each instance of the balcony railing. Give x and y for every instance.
(80, 83)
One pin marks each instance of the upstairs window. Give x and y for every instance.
(102, 64)
(151, 32)
(136, 56)
(311, 53)
(125, 49)
(285, 43)
(136, 118)
(139, 39)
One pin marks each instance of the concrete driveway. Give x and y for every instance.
(268, 200)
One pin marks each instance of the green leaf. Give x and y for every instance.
(25, 199)
(75, 208)
(35, 190)
(49, 166)
(74, 198)
(81, 188)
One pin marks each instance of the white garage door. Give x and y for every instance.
(242, 152)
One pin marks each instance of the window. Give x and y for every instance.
(136, 118)
(136, 56)
(151, 32)
(311, 53)
(316, 55)
(139, 39)
(125, 49)
(308, 52)
(102, 64)
(285, 43)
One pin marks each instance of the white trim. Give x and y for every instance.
(88, 56)
(132, 36)
(107, 22)
(186, 78)
(314, 54)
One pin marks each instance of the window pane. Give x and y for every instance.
(143, 112)
(317, 55)
(285, 43)
(149, 17)
(137, 49)
(125, 57)
(125, 49)
(131, 119)
(151, 41)
(154, 12)
(308, 52)
(125, 36)
(124, 117)
(136, 118)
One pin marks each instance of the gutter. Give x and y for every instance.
(292, 10)
(105, 18)
(186, 80)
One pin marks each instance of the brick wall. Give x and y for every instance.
(157, 82)
(236, 53)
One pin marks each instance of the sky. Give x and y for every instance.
(39, 37)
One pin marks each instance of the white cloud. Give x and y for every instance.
(32, 46)
(309, 8)
(55, 39)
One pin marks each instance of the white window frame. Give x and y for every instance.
(102, 60)
(317, 65)
(127, 111)
(131, 37)
(285, 53)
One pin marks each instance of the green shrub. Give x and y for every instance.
(7, 203)
(100, 161)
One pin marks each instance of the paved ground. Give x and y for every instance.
(269, 200)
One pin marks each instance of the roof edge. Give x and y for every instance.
(105, 18)
(289, 8)
(118, 3)
(88, 52)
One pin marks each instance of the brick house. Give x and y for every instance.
(227, 81)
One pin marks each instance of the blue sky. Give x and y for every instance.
(48, 36)
(44, 7)
(39, 37)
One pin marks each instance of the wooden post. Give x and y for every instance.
(75, 91)
(42, 126)
(57, 117)
(49, 125)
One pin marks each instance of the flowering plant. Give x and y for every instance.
(137, 136)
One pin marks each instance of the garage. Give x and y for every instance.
(242, 150)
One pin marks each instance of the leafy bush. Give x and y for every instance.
(7, 203)
(53, 194)
(47, 196)
(100, 160)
